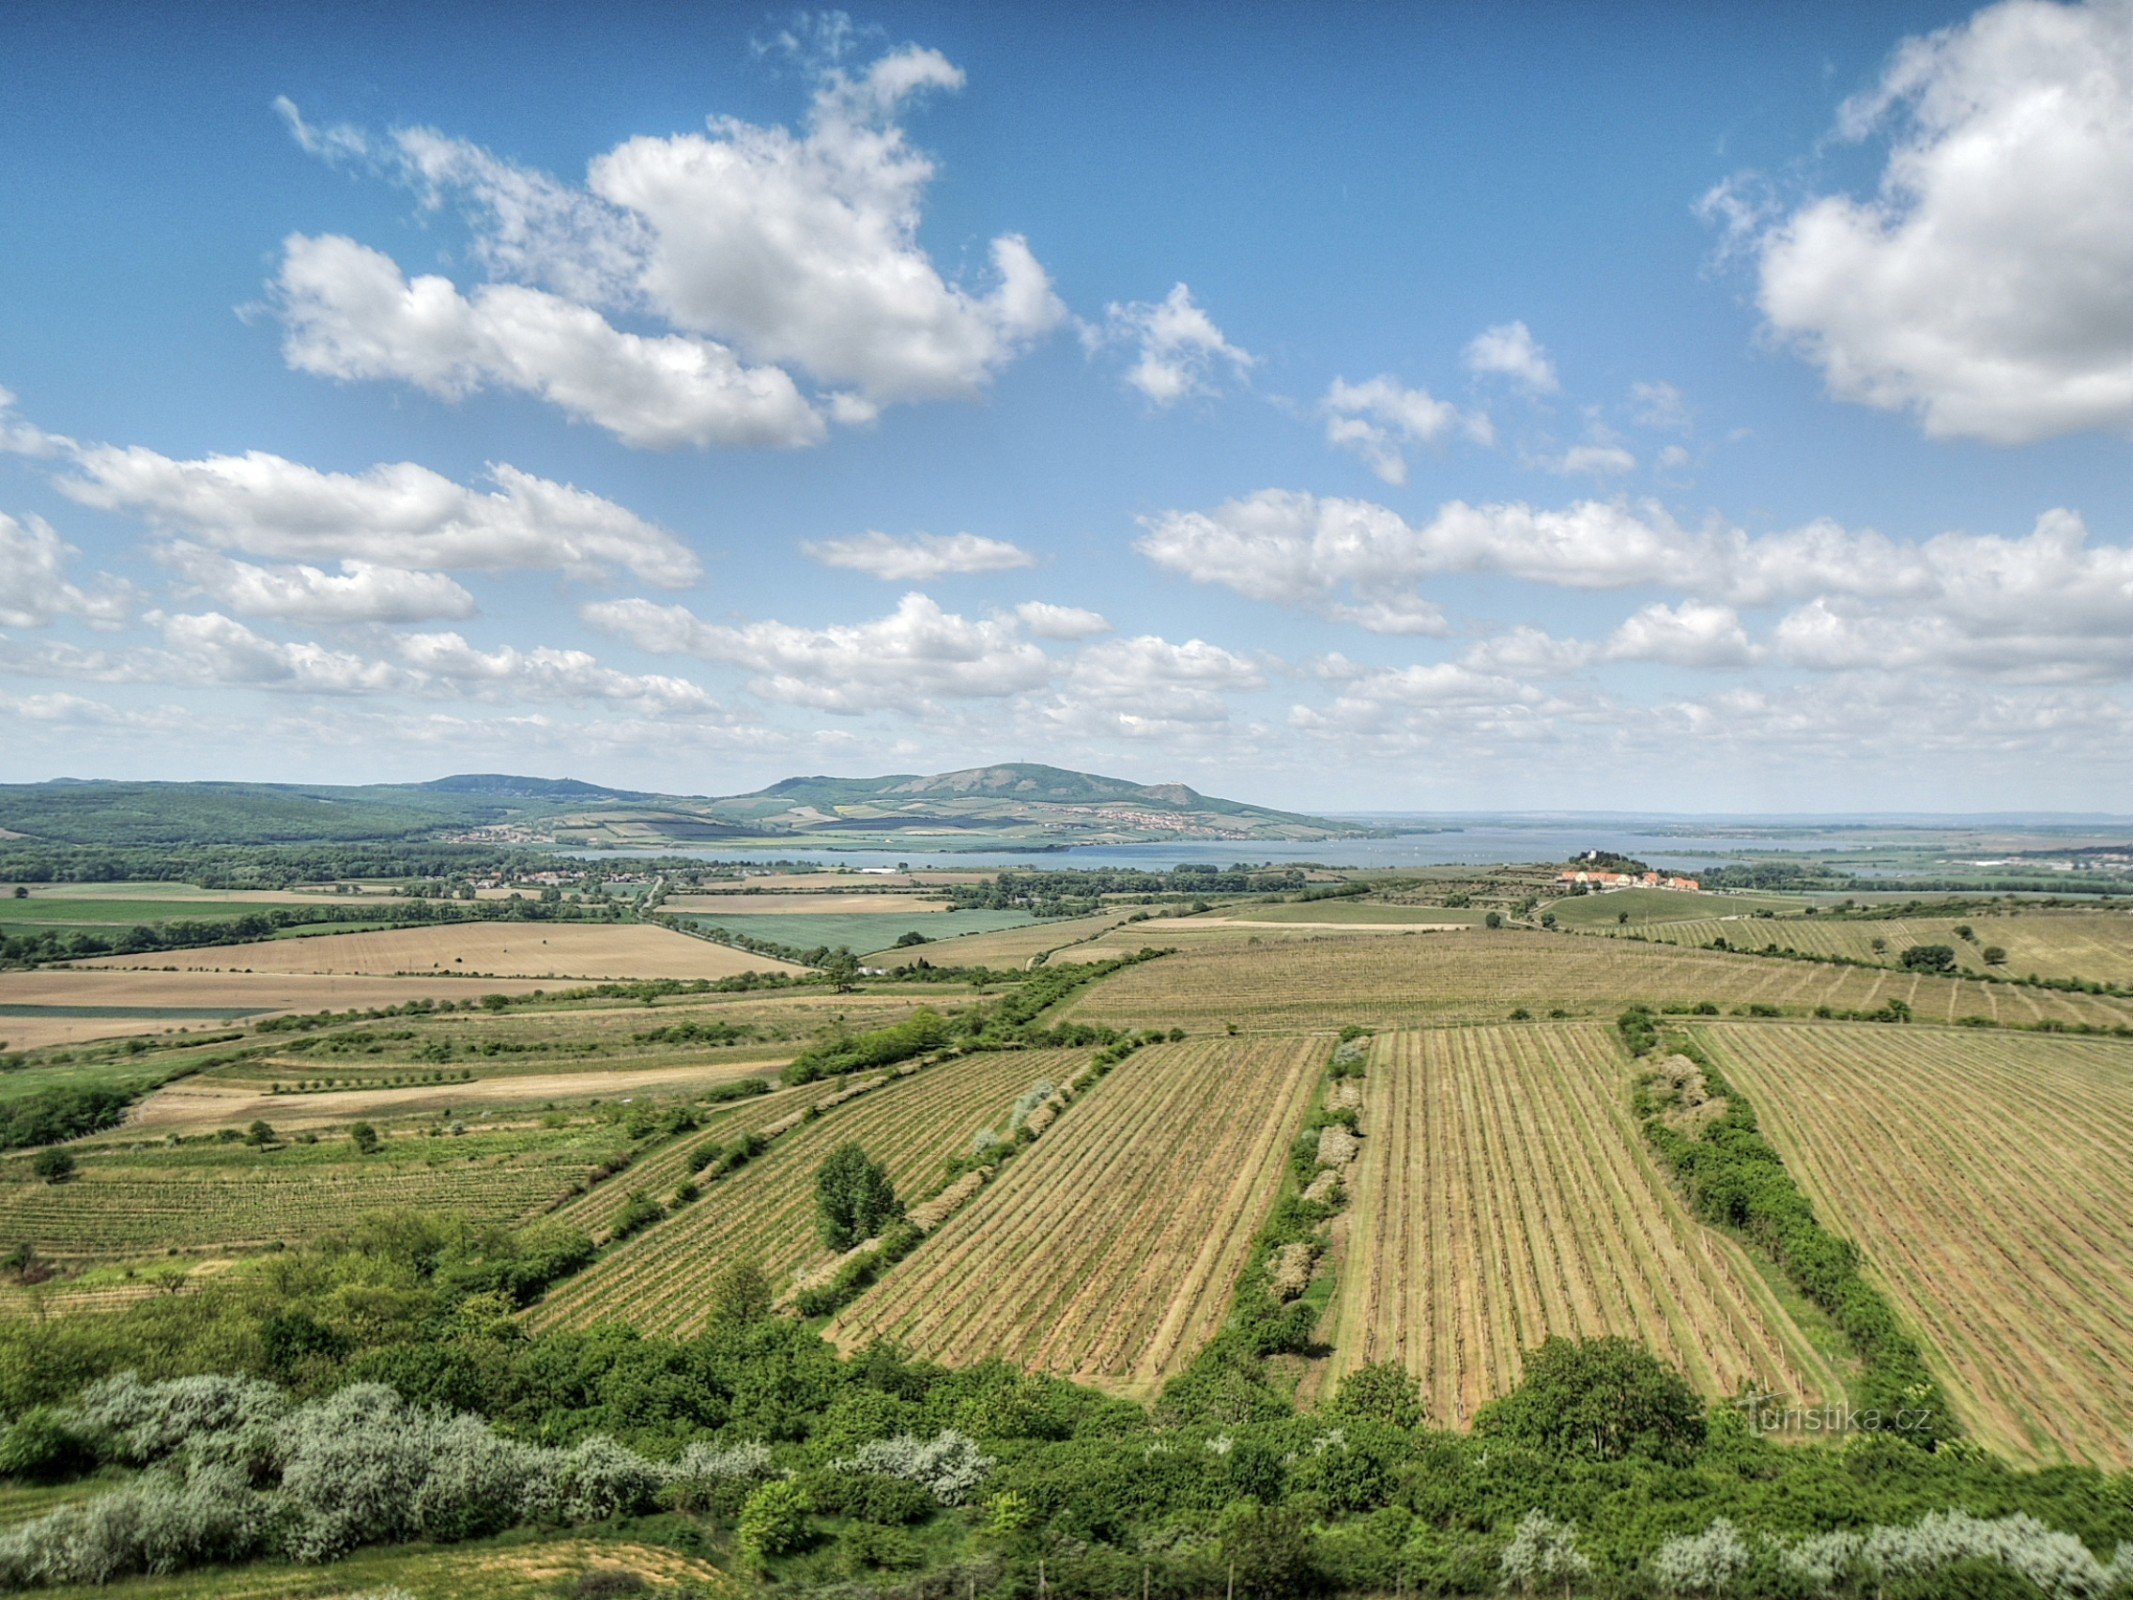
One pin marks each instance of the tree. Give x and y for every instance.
(842, 969)
(1543, 1553)
(1621, 918)
(856, 1197)
(1493, 920)
(774, 1521)
(1994, 956)
(1384, 1391)
(740, 1294)
(364, 1137)
(259, 1135)
(1268, 1549)
(1602, 1398)
(1929, 958)
(22, 891)
(54, 1166)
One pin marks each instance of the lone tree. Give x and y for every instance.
(856, 1197)
(1929, 958)
(54, 1165)
(1601, 1399)
(364, 1137)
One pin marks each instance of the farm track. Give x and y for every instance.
(1416, 980)
(1503, 1195)
(765, 1212)
(1990, 1182)
(1110, 1250)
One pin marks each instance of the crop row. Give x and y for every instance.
(765, 1211)
(1110, 1250)
(2097, 946)
(1990, 1182)
(1503, 1196)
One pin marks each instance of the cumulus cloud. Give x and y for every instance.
(1509, 350)
(1987, 284)
(1149, 687)
(1179, 352)
(34, 588)
(1380, 420)
(397, 515)
(361, 592)
(895, 663)
(210, 648)
(544, 674)
(798, 249)
(1047, 621)
(1591, 460)
(1691, 634)
(348, 312)
(920, 558)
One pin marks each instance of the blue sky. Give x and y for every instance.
(1372, 407)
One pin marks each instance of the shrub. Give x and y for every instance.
(1603, 1399)
(773, 1522)
(1700, 1563)
(949, 1466)
(53, 1166)
(855, 1197)
(364, 1137)
(44, 1446)
(1543, 1553)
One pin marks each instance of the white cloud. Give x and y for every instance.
(1047, 621)
(545, 674)
(361, 592)
(1509, 350)
(398, 515)
(895, 663)
(350, 313)
(1379, 419)
(798, 249)
(1592, 460)
(1148, 687)
(1984, 286)
(34, 588)
(1180, 351)
(1660, 406)
(211, 648)
(1692, 634)
(920, 558)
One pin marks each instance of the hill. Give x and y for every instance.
(1014, 804)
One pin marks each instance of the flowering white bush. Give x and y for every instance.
(949, 1465)
(1700, 1563)
(142, 1422)
(1542, 1552)
(160, 1523)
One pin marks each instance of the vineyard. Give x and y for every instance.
(659, 1172)
(144, 1200)
(1504, 1195)
(1990, 1182)
(1406, 979)
(1013, 947)
(2093, 945)
(504, 949)
(1110, 1249)
(765, 1212)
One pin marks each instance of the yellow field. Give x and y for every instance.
(1407, 979)
(802, 905)
(2093, 945)
(765, 1212)
(1109, 1250)
(1011, 947)
(1989, 1179)
(1504, 1195)
(590, 951)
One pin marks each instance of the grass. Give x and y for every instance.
(1989, 1180)
(1110, 1249)
(1648, 906)
(1013, 947)
(574, 950)
(1504, 1196)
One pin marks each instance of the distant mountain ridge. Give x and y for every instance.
(1008, 804)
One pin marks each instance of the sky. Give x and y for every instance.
(1342, 407)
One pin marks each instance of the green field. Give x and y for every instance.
(1359, 912)
(1645, 906)
(862, 934)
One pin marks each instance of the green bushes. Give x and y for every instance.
(854, 1196)
(1736, 1179)
(52, 1115)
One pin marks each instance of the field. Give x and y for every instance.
(523, 1567)
(2093, 945)
(861, 932)
(1990, 1181)
(1504, 1195)
(66, 1005)
(660, 1171)
(141, 1197)
(1647, 906)
(590, 951)
(1339, 913)
(1391, 981)
(1015, 947)
(804, 905)
(765, 1212)
(1109, 1250)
